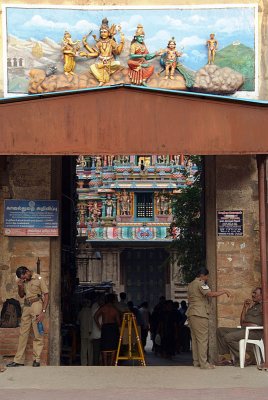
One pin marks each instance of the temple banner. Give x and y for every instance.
(209, 49)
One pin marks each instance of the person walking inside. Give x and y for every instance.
(33, 289)
(198, 316)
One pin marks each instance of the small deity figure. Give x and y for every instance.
(162, 204)
(125, 202)
(70, 51)
(81, 207)
(125, 159)
(189, 167)
(143, 168)
(162, 159)
(212, 45)
(139, 69)
(177, 159)
(95, 211)
(110, 160)
(170, 58)
(81, 161)
(105, 50)
(109, 206)
(98, 163)
(170, 63)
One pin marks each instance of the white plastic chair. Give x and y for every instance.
(258, 346)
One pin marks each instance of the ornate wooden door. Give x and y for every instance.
(144, 274)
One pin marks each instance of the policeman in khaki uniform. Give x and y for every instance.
(33, 288)
(198, 317)
(228, 338)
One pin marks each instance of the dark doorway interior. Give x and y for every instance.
(145, 274)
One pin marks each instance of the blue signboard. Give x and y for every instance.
(31, 218)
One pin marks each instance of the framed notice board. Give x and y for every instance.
(31, 218)
(230, 223)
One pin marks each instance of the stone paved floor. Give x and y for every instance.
(162, 379)
(136, 393)
(127, 383)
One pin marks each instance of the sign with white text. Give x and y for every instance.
(31, 218)
(230, 223)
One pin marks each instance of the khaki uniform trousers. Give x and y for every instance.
(28, 319)
(199, 334)
(228, 339)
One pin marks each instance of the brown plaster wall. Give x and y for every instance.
(22, 178)
(238, 263)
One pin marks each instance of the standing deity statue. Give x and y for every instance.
(177, 159)
(105, 50)
(212, 45)
(70, 51)
(139, 68)
(109, 206)
(98, 163)
(163, 204)
(170, 58)
(125, 202)
(110, 160)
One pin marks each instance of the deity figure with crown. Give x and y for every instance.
(139, 68)
(105, 50)
(70, 51)
(170, 62)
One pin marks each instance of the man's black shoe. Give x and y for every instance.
(14, 364)
(36, 364)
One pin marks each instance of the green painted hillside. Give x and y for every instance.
(241, 59)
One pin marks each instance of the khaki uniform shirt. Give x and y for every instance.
(198, 300)
(36, 286)
(254, 314)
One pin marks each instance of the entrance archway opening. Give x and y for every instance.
(121, 235)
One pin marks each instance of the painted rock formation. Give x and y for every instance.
(209, 79)
(213, 79)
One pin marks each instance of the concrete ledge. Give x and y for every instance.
(132, 378)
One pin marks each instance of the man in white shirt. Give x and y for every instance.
(95, 336)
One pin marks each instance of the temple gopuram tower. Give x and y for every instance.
(123, 227)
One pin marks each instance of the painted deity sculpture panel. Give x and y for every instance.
(76, 59)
